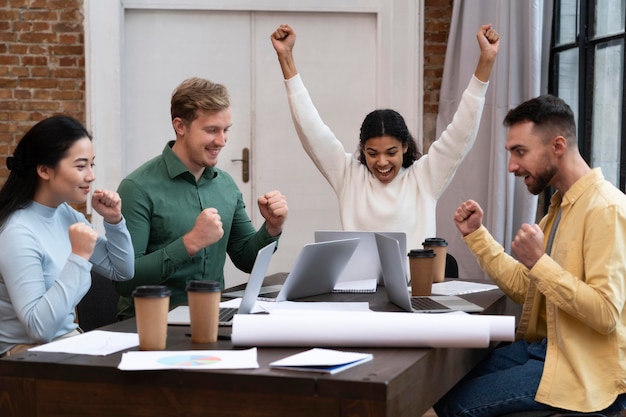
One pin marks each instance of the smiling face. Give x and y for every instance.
(199, 143)
(530, 157)
(69, 181)
(383, 157)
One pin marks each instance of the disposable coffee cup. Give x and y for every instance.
(440, 246)
(204, 310)
(151, 307)
(421, 262)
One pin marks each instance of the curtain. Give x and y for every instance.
(520, 73)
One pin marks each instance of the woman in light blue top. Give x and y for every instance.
(47, 248)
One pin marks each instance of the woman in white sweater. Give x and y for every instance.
(389, 185)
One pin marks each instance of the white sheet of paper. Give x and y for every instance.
(458, 287)
(95, 342)
(189, 359)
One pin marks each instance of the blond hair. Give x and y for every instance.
(198, 94)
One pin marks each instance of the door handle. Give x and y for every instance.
(245, 166)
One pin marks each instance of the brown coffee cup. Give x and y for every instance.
(204, 310)
(421, 263)
(439, 245)
(152, 304)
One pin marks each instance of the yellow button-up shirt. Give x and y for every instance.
(575, 297)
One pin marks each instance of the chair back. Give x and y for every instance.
(452, 267)
(99, 306)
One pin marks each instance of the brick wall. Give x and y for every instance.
(437, 15)
(42, 66)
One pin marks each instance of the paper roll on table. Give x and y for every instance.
(372, 330)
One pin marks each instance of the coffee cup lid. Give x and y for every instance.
(422, 253)
(435, 241)
(153, 291)
(204, 286)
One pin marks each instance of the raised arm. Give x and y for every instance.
(283, 40)
(489, 41)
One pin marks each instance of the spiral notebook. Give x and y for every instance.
(363, 286)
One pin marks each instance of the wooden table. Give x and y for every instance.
(398, 382)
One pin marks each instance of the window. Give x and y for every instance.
(587, 71)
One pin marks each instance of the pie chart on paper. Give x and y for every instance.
(189, 361)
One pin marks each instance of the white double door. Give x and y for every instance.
(338, 55)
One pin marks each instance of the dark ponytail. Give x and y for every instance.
(46, 143)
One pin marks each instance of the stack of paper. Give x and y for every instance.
(459, 287)
(326, 361)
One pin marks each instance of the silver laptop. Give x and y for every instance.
(365, 263)
(180, 315)
(397, 291)
(253, 287)
(315, 271)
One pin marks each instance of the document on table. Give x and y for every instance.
(327, 361)
(95, 342)
(189, 359)
(458, 287)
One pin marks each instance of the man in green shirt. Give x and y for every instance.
(183, 213)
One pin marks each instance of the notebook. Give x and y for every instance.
(316, 270)
(363, 271)
(180, 315)
(396, 288)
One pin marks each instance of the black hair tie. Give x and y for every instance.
(14, 163)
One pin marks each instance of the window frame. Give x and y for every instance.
(585, 42)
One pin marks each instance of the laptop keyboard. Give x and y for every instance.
(226, 314)
(268, 296)
(425, 303)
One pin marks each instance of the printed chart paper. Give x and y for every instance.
(189, 359)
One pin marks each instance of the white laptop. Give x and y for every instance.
(315, 271)
(365, 263)
(180, 315)
(398, 293)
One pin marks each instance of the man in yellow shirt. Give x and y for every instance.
(569, 271)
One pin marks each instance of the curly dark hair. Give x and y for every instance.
(387, 122)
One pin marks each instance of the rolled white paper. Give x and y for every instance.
(367, 330)
(501, 328)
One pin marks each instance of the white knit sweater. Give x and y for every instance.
(406, 204)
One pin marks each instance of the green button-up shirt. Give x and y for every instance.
(160, 202)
